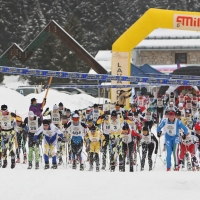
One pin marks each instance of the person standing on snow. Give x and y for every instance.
(171, 126)
(37, 107)
(50, 132)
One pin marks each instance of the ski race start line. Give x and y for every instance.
(160, 80)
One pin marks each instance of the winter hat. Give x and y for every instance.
(60, 104)
(145, 128)
(95, 105)
(46, 122)
(180, 105)
(92, 128)
(30, 114)
(33, 99)
(55, 107)
(4, 107)
(125, 126)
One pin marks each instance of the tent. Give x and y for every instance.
(135, 71)
(147, 69)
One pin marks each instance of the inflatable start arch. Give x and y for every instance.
(152, 19)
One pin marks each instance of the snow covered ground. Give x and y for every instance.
(71, 184)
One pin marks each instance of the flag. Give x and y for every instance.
(178, 65)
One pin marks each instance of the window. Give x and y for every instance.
(181, 58)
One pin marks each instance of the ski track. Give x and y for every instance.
(75, 184)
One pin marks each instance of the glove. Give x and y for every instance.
(60, 112)
(129, 90)
(156, 151)
(59, 139)
(41, 110)
(13, 114)
(184, 136)
(159, 134)
(45, 99)
(34, 142)
(47, 109)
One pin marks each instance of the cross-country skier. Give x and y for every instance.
(96, 140)
(33, 122)
(77, 129)
(21, 134)
(147, 142)
(171, 126)
(51, 133)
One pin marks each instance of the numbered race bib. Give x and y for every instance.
(76, 131)
(140, 102)
(55, 118)
(95, 116)
(48, 133)
(188, 141)
(159, 103)
(148, 117)
(171, 130)
(33, 126)
(6, 122)
(115, 126)
(146, 139)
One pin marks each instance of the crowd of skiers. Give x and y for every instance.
(110, 135)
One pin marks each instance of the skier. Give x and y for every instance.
(33, 122)
(77, 129)
(104, 120)
(21, 139)
(171, 127)
(127, 144)
(96, 141)
(7, 135)
(147, 143)
(50, 132)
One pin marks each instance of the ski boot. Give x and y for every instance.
(18, 160)
(150, 168)
(25, 159)
(74, 164)
(127, 162)
(4, 164)
(81, 167)
(60, 161)
(121, 168)
(29, 165)
(46, 166)
(37, 165)
(54, 166)
(168, 169)
(91, 168)
(131, 169)
(142, 169)
(103, 167)
(12, 165)
(189, 167)
(97, 168)
(112, 168)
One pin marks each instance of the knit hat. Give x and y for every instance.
(30, 114)
(46, 122)
(55, 107)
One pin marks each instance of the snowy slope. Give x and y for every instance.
(71, 184)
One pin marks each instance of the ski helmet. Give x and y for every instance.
(92, 128)
(4, 107)
(197, 127)
(75, 117)
(114, 113)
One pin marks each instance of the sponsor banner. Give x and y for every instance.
(186, 22)
(117, 80)
(120, 63)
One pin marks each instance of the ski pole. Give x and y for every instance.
(159, 146)
(155, 161)
(66, 153)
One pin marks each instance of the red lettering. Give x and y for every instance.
(185, 20)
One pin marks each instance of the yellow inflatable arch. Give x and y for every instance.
(152, 19)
